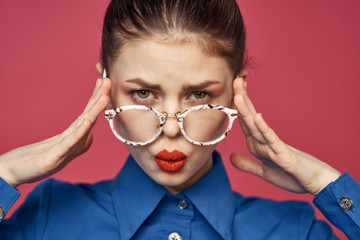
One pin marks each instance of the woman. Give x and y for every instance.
(171, 56)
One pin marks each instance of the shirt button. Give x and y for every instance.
(182, 204)
(346, 203)
(175, 236)
(2, 212)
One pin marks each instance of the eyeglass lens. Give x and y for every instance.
(203, 125)
(137, 125)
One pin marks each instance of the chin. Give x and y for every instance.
(170, 179)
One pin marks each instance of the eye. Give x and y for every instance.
(200, 94)
(143, 96)
(143, 93)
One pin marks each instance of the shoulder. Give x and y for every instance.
(278, 219)
(272, 208)
(61, 189)
(51, 202)
(54, 194)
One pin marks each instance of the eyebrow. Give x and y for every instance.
(141, 82)
(205, 84)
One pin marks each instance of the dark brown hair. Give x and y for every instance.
(216, 25)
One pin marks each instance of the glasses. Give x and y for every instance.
(139, 125)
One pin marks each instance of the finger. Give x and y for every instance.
(96, 88)
(90, 103)
(246, 111)
(82, 146)
(69, 141)
(103, 88)
(97, 108)
(281, 154)
(247, 99)
(237, 90)
(248, 119)
(246, 164)
(61, 150)
(270, 136)
(240, 88)
(96, 102)
(91, 114)
(243, 127)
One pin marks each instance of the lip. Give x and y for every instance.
(170, 161)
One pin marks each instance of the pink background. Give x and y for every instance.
(304, 78)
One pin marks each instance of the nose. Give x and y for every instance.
(171, 127)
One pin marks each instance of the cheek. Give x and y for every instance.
(142, 157)
(200, 160)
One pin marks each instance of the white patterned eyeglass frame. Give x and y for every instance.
(110, 115)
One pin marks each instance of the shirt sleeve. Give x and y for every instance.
(8, 196)
(340, 204)
(29, 219)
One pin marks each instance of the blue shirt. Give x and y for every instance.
(133, 206)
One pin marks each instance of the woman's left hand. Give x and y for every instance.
(280, 164)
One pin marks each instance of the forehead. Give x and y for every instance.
(168, 61)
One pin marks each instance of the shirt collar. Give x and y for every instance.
(136, 196)
(213, 197)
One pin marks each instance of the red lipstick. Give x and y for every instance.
(170, 161)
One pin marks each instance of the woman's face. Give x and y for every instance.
(170, 77)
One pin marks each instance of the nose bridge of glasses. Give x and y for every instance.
(176, 115)
(171, 127)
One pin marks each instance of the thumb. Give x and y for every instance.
(247, 164)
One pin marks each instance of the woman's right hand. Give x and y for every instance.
(39, 160)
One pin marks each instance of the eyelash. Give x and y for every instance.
(148, 100)
(206, 98)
